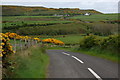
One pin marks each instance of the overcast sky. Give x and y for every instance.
(105, 6)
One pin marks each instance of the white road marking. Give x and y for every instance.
(78, 59)
(65, 53)
(98, 77)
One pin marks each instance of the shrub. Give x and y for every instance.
(111, 43)
(5, 47)
(88, 41)
(54, 41)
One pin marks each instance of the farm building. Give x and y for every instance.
(87, 14)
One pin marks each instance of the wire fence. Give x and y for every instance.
(20, 45)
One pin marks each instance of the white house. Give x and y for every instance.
(87, 14)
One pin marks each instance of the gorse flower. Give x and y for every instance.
(54, 41)
(5, 47)
(11, 35)
(38, 40)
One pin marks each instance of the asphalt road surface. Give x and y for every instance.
(64, 64)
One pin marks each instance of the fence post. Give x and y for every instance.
(14, 44)
(25, 43)
(32, 42)
(35, 42)
(21, 44)
(28, 42)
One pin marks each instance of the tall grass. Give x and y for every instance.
(104, 29)
(31, 63)
(105, 54)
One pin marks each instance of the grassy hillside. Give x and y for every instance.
(40, 21)
(35, 11)
(98, 17)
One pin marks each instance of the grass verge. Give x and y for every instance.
(93, 52)
(31, 63)
(105, 54)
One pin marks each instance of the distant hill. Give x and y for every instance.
(8, 10)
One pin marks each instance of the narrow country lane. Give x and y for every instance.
(64, 64)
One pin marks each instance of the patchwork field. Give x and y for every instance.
(20, 20)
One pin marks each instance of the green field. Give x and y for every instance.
(96, 18)
(20, 23)
(68, 39)
(19, 18)
(54, 25)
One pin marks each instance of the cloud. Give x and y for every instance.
(107, 7)
(60, 0)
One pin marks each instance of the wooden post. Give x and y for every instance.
(25, 43)
(21, 44)
(14, 44)
(29, 42)
(32, 42)
(35, 41)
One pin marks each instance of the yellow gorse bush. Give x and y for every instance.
(55, 41)
(5, 47)
(18, 37)
(37, 39)
(11, 35)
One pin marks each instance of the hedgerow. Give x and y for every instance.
(111, 43)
